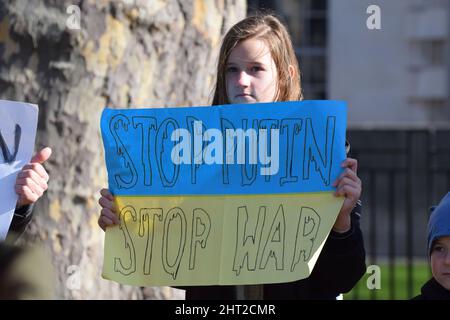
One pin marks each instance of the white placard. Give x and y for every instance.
(18, 124)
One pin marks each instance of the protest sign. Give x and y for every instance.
(235, 194)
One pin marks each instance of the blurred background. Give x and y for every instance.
(72, 58)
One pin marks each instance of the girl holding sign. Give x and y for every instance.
(257, 64)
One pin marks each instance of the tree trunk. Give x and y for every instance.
(126, 54)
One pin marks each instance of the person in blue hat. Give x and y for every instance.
(438, 287)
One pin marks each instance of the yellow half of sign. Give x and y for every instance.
(218, 240)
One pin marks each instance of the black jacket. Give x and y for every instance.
(21, 219)
(432, 290)
(339, 267)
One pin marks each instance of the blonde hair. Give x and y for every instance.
(269, 29)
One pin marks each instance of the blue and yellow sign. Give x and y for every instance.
(235, 194)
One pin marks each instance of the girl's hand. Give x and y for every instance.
(31, 182)
(108, 216)
(348, 185)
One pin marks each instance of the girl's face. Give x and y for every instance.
(440, 261)
(250, 73)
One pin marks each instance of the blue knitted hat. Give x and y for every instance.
(439, 223)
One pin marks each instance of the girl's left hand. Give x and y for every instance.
(348, 185)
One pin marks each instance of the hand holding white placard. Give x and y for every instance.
(18, 124)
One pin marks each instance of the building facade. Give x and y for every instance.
(395, 76)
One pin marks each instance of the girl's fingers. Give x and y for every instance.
(347, 181)
(110, 215)
(350, 174)
(104, 221)
(348, 191)
(347, 174)
(108, 222)
(350, 163)
(105, 193)
(106, 203)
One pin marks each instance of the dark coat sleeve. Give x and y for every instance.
(341, 263)
(21, 219)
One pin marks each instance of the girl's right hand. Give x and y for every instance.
(108, 215)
